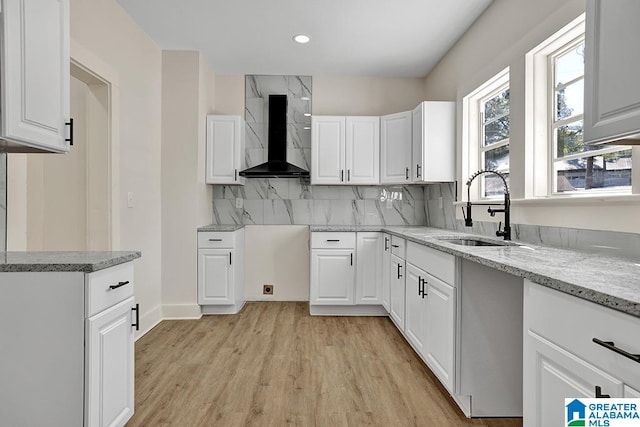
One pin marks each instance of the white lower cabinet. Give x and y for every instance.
(440, 329)
(333, 276)
(70, 361)
(386, 269)
(221, 271)
(368, 268)
(562, 360)
(397, 290)
(109, 391)
(415, 328)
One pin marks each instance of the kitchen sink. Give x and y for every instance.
(476, 242)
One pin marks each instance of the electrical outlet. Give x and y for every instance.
(440, 202)
(130, 199)
(267, 289)
(239, 203)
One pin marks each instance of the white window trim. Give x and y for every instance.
(539, 108)
(471, 126)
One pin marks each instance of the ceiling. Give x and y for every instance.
(399, 38)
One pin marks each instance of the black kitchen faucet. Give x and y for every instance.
(468, 221)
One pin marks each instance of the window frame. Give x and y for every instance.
(473, 127)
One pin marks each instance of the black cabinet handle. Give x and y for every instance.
(599, 394)
(137, 323)
(235, 174)
(333, 240)
(215, 240)
(612, 346)
(70, 124)
(341, 175)
(119, 285)
(399, 267)
(395, 246)
(419, 286)
(348, 174)
(386, 244)
(418, 167)
(406, 173)
(351, 258)
(230, 258)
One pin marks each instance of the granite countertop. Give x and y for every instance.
(606, 280)
(83, 262)
(221, 227)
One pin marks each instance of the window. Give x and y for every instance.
(486, 132)
(578, 167)
(558, 161)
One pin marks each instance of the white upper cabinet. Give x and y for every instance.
(225, 149)
(612, 66)
(395, 163)
(327, 149)
(345, 150)
(363, 150)
(34, 70)
(433, 142)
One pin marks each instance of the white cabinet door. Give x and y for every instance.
(215, 276)
(415, 327)
(363, 150)
(612, 64)
(109, 390)
(369, 268)
(440, 329)
(34, 70)
(397, 285)
(333, 276)
(328, 150)
(433, 142)
(225, 149)
(386, 271)
(395, 142)
(552, 374)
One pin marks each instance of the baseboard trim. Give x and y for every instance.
(347, 310)
(222, 309)
(181, 311)
(149, 320)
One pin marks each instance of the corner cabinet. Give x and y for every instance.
(612, 64)
(34, 76)
(69, 359)
(395, 147)
(225, 150)
(221, 271)
(433, 142)
(345, 150)
(580, 359)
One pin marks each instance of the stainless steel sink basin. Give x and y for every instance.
(476, 242)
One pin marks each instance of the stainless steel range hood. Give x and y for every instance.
(276, 165)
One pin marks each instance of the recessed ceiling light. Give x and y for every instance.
(307, 128)
(301, 38)
(305, 98)
(307, 114)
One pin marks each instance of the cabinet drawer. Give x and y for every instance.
(101, 295)
(434, 262)
(216, 239)
(398, 246)
(580, 322)
(333, 240)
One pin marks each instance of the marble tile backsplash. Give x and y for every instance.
(625, 245)
(289, 201)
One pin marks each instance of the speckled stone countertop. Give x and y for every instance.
(83, 262)
(220, 227)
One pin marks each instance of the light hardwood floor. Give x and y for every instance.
(274, 365)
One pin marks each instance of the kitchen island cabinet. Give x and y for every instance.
(67, 333)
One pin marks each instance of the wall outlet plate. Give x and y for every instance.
(267, 289)
(239, 203)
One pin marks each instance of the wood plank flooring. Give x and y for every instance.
(274, 365)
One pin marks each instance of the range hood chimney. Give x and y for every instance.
(276, 165)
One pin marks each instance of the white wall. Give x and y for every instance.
(501, 37)
(102, 31)
(186, 199)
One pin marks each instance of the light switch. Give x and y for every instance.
(130, 199)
